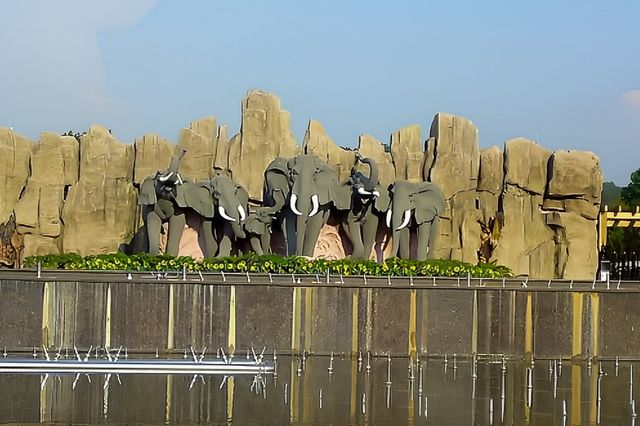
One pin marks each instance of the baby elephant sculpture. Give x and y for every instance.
(416, 206)
(258, 230)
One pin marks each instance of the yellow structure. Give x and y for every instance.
(617, 219)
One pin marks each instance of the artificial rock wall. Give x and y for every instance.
(526, 207)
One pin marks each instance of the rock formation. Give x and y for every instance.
(100, 210)
(523, 206)
(265, 135)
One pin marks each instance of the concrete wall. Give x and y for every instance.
(320, 319)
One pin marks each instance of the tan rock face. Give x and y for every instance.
(453, 154)
(200, 142)
(265, 135)
(525, 165)
(370, 147)
(103, 203)
(152, 153)
(15, 151)
(318, 143)
(491, 173)
(407, 154)
(221, 162)
(452, 161)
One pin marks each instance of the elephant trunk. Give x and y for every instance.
(373, 179)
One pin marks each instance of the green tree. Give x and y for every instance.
(631, 193)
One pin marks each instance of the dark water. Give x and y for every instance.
(439, 394)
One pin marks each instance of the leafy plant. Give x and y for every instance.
(269, 264)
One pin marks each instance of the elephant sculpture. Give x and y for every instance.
(416, 206)
(231, 205)
(257, 228)
(301, 192)
(369, 203)
(220, 202)
(166, 197)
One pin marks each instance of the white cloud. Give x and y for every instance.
(632, 97)
(52, 73)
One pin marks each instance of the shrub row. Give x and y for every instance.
(269, 264)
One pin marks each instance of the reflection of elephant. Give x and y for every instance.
(427, 203)
(230, 203)
(165, 198)
(368, 203)
(258, 230)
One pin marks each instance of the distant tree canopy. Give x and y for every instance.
(631, 193)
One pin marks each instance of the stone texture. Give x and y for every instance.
(406, 150)
(575, 183)
(200, 142)
(576, 246)
(318, 143)
(491, 172)
(152, 153)
(15, 151)
(54, 165)
(221, 162)
(100, 211)
(452, 160)
(370, 147)
(525, 243)
(525, 165)
(265, 135)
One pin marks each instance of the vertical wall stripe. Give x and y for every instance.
(412, 325)
(232, 326)
(576, 336)
(171, 323)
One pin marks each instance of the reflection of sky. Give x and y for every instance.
(563, 73)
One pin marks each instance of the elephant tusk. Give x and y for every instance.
(165, 178)
(294, 200)
(405, 219)
(224, 214)
(376, 193)
(389, 218)
(315, 205)
(363, 191)
(179, 178)
(243, 214)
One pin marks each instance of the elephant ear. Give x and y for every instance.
(429, 202)
(382, 202)
(148, 194)
(243, 196)
(195, 196)
(276, 178)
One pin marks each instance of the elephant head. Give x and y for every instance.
(363, 185)
(422, 202)
(230, 201)
(314, 190)
(276, 186)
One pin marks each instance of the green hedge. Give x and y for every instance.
(269, 264)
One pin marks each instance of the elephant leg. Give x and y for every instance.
(300, 232)
(424, 232)
(289, 223)
(153, 224)
(265, 241)
(225, 241)
(353, 232)
(369, 231)
(403, 243)
(176, 227)
(434, 232)
(210, 244)
(314, 225)
(255, 245)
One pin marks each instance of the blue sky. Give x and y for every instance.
(566, 74)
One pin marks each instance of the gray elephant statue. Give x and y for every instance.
(414, 206)
(257, 228)
(166, 197)
(368, 205)
(230, 203)
(301, 192)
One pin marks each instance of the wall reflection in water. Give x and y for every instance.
(339, 391)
